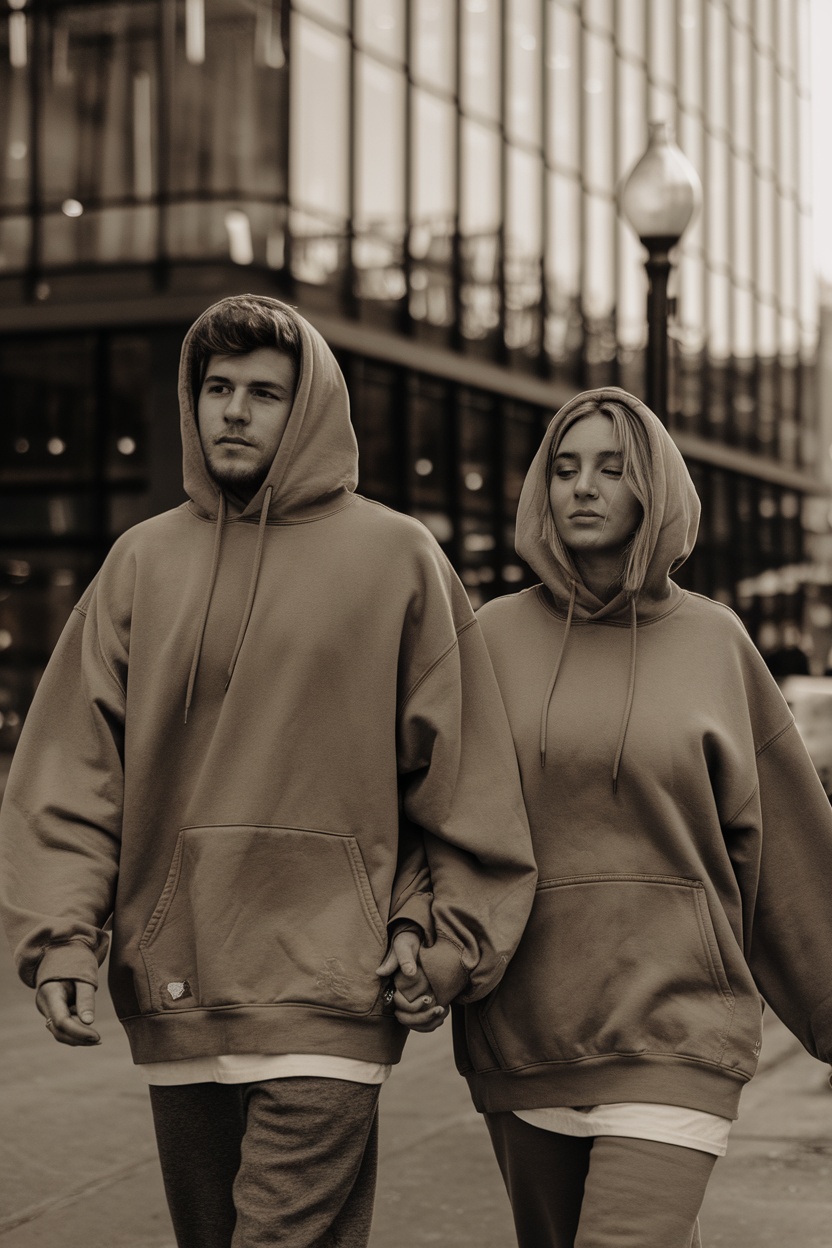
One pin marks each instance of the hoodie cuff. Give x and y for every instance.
(443, 966)
(73, 960)
(416, 912)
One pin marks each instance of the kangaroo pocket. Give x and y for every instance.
(259, 915)
(613, 964)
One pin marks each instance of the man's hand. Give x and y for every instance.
(415, 1004)
(68, 1006)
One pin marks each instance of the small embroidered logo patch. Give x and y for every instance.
(332, 979)
(179, 988)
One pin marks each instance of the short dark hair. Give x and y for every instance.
(235, 327)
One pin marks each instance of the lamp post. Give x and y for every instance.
(659, 198)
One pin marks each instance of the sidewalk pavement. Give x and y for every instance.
(78, 1167)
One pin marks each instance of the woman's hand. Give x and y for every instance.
(410, 992)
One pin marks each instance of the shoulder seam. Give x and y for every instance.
(82, 611)
(776, 737)
(757, 754)
(432, 668)
(737, 814)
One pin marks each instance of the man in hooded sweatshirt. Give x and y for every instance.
(270, 721)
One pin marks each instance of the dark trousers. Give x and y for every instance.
(280, 1162)
(606, 1192)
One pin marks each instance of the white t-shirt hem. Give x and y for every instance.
(666, 1124)
(257, 1067)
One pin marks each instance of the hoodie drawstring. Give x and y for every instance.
(631, 688)
(215, 561)
(544, 714)
(252, 590)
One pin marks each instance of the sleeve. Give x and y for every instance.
(461, 788)
(412, 892)
(60, 823)
(781, 844)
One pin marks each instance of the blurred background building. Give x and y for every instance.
(432, 183)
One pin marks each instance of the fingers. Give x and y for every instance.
(414, 986)
(389, 965)
(406, 946)
(62, 1003)
(420, 1013)
(85, 1002)
(403, 955)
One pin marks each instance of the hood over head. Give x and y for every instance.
(314, 468)
(317, 460)
(673, 525)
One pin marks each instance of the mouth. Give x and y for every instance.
(585, 515)
(229, 441)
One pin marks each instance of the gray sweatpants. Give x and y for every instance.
(278, 1162)
(607, 1192)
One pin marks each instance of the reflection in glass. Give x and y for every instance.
(434, 43)
(482, 39)
(379, 205)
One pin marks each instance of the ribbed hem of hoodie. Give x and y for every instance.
(73, 960)
(609, 1080)
(263, 1029)
(443, 966)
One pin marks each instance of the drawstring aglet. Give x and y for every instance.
(542, 758)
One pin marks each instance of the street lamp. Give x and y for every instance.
(659, 197)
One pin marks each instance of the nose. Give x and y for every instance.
(236, 409)
(585, 486)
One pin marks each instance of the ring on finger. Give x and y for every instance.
(49, 1023)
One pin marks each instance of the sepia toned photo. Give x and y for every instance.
(416, 624)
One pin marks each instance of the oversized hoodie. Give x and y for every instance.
(248, 856)
(683, 840)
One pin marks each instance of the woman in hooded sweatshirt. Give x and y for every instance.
(684, 846)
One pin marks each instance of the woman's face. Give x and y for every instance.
(593, 507)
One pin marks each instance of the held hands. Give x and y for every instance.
(415, 1004)
(69, 1009)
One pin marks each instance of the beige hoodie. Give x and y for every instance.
(683, 840)
(249, 858)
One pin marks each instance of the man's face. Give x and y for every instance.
(242, 411)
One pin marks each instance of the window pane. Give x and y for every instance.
(379, 224)
(14, 125)
(319, 190)
(481, 209)
(98, 99)
(563, 63)
(48, 413)
(380, 26)
(434, 39)
(335, 11)
(481, 44)
(524, 70)
(434, 154)
(600, 108)
(380, 146)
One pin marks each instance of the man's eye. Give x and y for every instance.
(264, 394)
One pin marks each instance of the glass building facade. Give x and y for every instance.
(433, 183)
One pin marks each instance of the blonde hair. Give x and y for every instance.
(637, 472)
